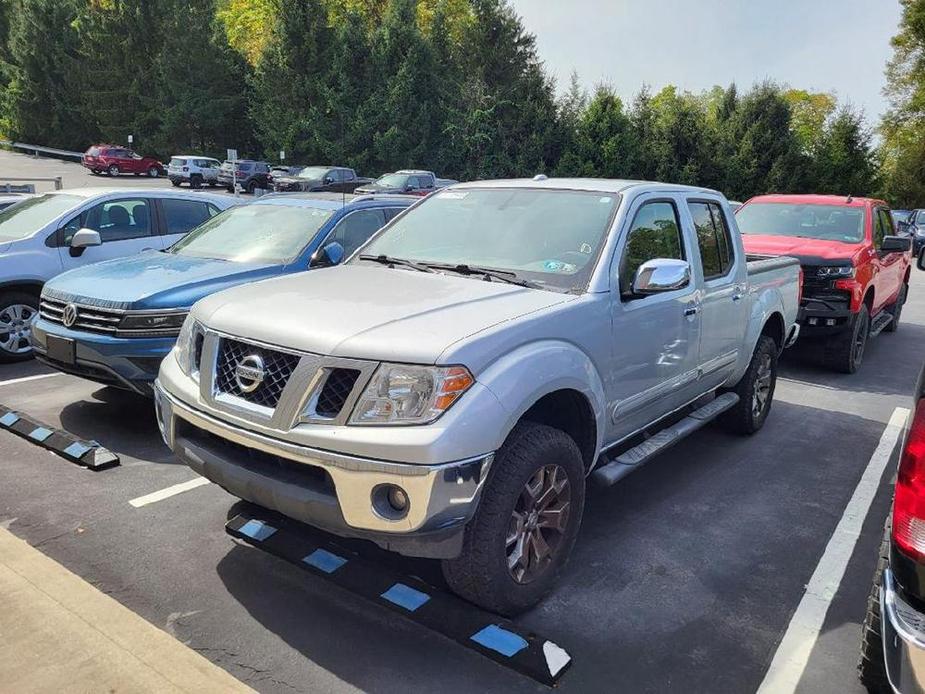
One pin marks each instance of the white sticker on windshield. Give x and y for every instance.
(605, 200)
(453, 195)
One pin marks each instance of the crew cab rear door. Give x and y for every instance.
(655, 338)
(720, 271)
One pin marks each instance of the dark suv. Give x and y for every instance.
(249, 175)
(119, 160)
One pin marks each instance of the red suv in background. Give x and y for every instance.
(855, 269)
(119, 160)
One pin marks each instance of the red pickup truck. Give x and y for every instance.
(855, 268)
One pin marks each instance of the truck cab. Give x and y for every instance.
(855, 267)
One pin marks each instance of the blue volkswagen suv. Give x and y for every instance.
(113, 322)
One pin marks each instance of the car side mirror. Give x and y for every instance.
(661, 275)
(408, 189)
(328, 255)
(83, 239)
(329, 179)
(895, 244)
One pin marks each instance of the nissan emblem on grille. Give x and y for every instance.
(69, 316)
(249, 373)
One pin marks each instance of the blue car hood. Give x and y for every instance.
(153, 280)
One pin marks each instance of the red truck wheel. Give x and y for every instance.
(845, 352)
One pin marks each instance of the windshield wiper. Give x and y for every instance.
(488, 273)
(389, 260)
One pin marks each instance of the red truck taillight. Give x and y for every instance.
(909, 502)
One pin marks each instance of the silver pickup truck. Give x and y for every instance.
(448, 391)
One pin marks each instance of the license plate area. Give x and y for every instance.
(61, 349)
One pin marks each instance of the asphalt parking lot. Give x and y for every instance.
(685, 577)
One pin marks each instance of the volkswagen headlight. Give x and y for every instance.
(167, 323)
(831, 272)
(188, 349)
(403, 394)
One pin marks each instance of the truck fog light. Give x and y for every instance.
(830, 321)
(390, 501)
(813, 321)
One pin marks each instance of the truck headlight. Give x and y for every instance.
(836, 271)
(188, 349)
(167, 323)
(403, 394)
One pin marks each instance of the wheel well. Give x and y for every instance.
(774, 328)
(34, 288)
(906, 278)
(869, 300)
(569, 411)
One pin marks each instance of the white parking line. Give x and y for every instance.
(792, 654)
(154, 497)
(30, 378)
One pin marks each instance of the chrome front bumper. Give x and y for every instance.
(441, 497)
(903, 629)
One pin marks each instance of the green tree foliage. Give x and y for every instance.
(455, 86)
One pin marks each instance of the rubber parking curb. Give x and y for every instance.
(89, 454)
(486, 633)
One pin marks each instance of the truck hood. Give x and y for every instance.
(369, 312)
(377, 188)
(153, 280)
(802, 248)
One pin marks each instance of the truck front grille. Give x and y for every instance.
(337, 388)
(90, 318)
(277, 368)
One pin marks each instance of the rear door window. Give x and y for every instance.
(182, 215)
(713, 238)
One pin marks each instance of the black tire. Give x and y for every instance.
(113, 170)
(896, 310)
(755, 390)
(871, 666)
(10, 352)
(154, 172)
(481, 573)
(195, 181)
(845, 351)
(250, 187)
(230, 189)
(175, 183)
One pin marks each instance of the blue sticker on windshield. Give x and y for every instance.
(558, 266)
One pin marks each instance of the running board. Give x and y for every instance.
(633, 458)
(883, 319)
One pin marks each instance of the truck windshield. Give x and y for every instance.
(260, 234)
(313, 172)
(551, 237)
(393, 180)
(29, 216)
(826, 222)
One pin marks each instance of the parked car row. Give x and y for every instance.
(114, 161)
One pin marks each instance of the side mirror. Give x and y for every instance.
(82, 239)
(895, 244)
(328, 255)
(329, 179)
(661, 275)
(408, 189)
(921, 261)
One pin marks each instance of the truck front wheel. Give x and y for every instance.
(755, 390)
(526, 523)
(845, 351)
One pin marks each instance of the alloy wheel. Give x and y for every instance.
(16, 328)
(538, 523)
(762, 391)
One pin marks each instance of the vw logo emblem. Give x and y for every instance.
(69, 316)
(249, 373)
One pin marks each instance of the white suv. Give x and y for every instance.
(193, 170)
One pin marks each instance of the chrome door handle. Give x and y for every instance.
(692, 311)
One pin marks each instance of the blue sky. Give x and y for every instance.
(836, 46)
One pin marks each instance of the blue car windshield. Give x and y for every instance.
(259, 234)
(29, 216)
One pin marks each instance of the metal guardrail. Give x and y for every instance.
(37, 149)
(50, 179)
